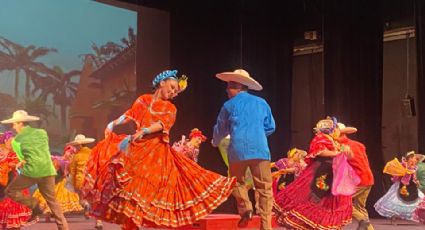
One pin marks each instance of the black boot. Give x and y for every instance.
(363, 225)
(87, 211)
(245, 218)
(35, 213)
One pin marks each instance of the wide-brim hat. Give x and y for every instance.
(347, 130)
(240, 76)
(20, 116)
(80, 139)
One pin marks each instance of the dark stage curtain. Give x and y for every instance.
(353, 33)
(420, 50)
(268, 33)
(205, 40)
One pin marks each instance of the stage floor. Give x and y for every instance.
(77, 222)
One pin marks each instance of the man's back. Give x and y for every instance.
(77, 166)
(34, 147)
(250, 122)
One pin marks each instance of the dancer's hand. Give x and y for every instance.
(109, 129)
(416, 181)
(137, 136)
(275, 175)
(212, 143)
(20, 164)
(347, 151)
(280, 172)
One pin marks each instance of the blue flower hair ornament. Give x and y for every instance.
(163, 76)
(182, 81)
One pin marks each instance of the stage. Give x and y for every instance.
(217, 222)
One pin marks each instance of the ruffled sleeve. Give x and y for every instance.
(138, 109)
(166, 117)
(146, 112)
(319, 143)
(282, 163)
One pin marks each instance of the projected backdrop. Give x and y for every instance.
(69, 62)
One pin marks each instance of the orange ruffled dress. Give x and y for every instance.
(12, 214)
(149, 184)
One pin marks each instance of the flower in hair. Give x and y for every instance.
(197, 133)
(182, 83)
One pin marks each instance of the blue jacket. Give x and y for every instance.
(249, 120)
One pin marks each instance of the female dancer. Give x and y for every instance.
(292, 164)
(403, 197)
(12, 215)
(190, 147)
(308, 202)
(136, 180)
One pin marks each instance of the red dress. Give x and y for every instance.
(149, 183)
(307, 203)
(12, 214)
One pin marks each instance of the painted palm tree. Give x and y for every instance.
(104, 53)
(39, 107)
(62, 86)
(8, 105)
(15, 57)
(131, 38)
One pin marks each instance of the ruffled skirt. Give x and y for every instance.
(301, 209)
(150, 185)
(391, 205)
(419, 214)
(13, 214)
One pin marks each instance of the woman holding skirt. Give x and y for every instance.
(137, 180)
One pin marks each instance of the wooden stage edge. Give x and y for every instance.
(223, 221)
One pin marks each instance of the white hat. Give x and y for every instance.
(242, 77)
(20, 116)
(347, 130)
(80, 139)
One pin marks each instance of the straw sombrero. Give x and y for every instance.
(80, 139)
(242, 77)
(20, 116)
(347, 130)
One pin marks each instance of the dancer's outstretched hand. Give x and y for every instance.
(137, 136)
(107, 132)
(109, 129)
(20, 164)
(213, 145)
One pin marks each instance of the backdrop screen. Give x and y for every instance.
(69, 62)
